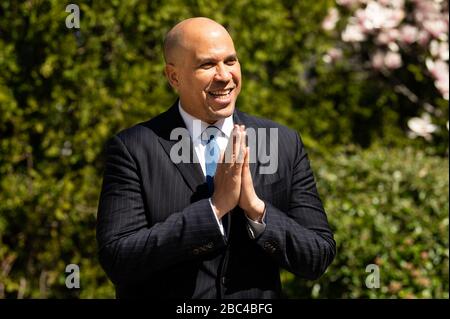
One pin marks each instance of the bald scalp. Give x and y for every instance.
(186, 32)
(172, 43)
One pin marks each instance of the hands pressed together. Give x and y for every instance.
(233, 184)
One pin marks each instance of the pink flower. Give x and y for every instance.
(427, 10)
(442, 86)
(421, 126)
(378, 60)
(329, 23)
(439, 50)
(436, 27)
(387, 36)
(390, 60)
(393, 60)
(443, 51)
(353, 33)
(347, 3)
(397, 3)
(376, 16)
(409, 33)
(423, 38)
(395, 18)
(332, 55)
(372, 17)
(335, 53)
(439, 71)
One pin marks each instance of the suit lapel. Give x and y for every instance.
(192, 171)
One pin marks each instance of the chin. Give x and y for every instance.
(224, 111)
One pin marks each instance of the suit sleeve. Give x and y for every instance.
(130, 249)
(300, 240)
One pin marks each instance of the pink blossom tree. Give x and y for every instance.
(391, 35)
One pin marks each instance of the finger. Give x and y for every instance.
(245, 163)
(221, 158)
(228, 155)
(221, 163)
(246, 174)
(236, 143)
(229, 150)
(242, 149)
(247, 157)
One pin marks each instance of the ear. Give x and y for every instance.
(172, 75)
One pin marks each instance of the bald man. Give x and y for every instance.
(217, 224)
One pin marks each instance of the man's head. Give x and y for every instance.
(202, 66)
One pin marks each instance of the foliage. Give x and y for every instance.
(401, 46)
(63, 92)
(388, 207)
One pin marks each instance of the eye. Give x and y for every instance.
(231, 62)
(206, 65)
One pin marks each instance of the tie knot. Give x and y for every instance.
(210, 133)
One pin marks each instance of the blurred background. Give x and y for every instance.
(365, 82)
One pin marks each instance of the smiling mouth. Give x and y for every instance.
(220, 93)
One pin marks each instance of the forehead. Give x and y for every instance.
(211, 45)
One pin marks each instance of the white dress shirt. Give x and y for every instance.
(225, 127)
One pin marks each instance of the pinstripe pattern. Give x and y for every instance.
(157, 235)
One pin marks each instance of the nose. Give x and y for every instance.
(222, 73)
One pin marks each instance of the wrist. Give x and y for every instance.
(256, 210)
(218, 210)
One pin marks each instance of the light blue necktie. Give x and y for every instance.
(212, 154)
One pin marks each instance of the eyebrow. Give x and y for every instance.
(201, 61)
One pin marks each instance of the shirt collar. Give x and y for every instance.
(224, 125)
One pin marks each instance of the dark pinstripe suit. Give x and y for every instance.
(157, 235)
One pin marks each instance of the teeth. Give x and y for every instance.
(220, 93)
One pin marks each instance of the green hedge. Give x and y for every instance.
(388, 207)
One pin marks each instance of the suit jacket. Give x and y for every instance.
(157, 235)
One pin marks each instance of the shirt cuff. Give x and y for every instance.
(219, 221)
(256, 228)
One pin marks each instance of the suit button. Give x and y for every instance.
(270, 246)
(196, 251)
(224, 280)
